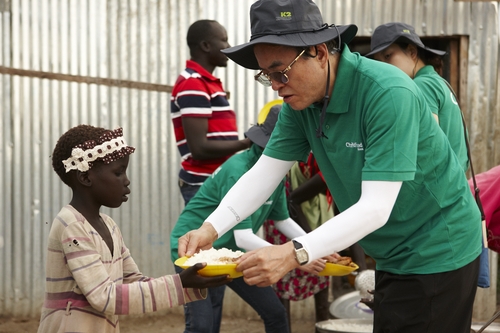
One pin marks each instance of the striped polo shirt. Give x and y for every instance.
(197, 93)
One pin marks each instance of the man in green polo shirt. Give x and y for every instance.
(205, 315)
(400, 188)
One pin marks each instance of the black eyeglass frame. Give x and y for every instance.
(266, 79)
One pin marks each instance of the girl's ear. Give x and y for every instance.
(83, 178)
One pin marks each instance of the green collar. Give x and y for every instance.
(427, 69)
(347, 64)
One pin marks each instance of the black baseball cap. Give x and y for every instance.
(387, 34)
(260, 133)
(296, 23)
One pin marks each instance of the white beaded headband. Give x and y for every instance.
(110, 147)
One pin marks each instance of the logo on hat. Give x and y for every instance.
(406, 31)
(286, 16)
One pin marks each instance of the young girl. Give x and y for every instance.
(91, 277)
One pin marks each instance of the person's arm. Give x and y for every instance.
(265, 266)
(104, 294)
(247, 240)
(309, 189)
(303, 192)
(436, 117)
(289, 228)
(370, 213)
(244, 198)
(196, 129)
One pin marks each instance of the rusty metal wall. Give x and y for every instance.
(144, 41)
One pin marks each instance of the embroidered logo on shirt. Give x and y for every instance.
(358, 146)
(453, 99)
(268, 202)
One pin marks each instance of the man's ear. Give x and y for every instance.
(322, 54)
(205, 46)
(83, 178)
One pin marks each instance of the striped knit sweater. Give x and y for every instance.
(87, 288)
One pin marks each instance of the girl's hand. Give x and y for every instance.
(191, 279)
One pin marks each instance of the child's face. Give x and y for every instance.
(110, 182)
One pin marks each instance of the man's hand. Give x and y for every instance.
(191, 279)
(267, 265)
(195, 240)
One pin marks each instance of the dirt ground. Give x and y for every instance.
(170, 323)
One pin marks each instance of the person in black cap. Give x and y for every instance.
(397, 44)
(205, 315)
(400, 189)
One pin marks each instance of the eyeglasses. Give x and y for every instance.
(265, 79)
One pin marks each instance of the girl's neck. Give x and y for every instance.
(87, 209)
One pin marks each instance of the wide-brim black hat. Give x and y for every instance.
(387, 34)
(296, 23)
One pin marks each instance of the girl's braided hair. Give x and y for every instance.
(69, 140)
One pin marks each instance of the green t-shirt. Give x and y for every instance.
(214, 189)
(378, 127)
(441, 102)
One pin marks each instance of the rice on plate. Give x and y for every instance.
(213, 256)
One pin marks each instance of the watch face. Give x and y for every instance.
(302, 256)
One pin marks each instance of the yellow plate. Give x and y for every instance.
(337, 270)
(212, 270)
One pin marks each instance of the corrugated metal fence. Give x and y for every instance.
(141, 46)
(111, 63)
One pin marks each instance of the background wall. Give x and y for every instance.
(111, 63)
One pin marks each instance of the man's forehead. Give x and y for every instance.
(271, 56)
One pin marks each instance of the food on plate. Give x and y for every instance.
(213, 256)
(345, 261)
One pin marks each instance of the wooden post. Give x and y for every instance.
(485, 304)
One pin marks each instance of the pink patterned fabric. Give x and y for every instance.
(489, 191)
(296, 285)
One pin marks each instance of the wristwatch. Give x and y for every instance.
(301, 254)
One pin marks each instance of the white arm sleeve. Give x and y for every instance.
(249, 193)
(247, 240)
(289, 228)
(370, 213)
